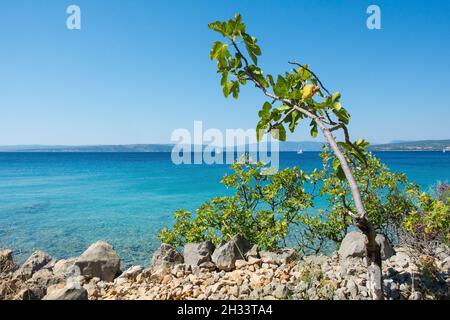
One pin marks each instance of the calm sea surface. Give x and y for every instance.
(62, 202)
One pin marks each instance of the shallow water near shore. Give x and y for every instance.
(62, 202)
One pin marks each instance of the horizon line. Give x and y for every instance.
(193, 144)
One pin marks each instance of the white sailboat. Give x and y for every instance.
(299, 151)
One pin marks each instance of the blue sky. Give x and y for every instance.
(139, 69)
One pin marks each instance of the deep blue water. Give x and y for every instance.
(62, 202)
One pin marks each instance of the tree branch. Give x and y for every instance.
(276, 124)
(313, 74)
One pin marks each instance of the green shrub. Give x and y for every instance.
(262, 209)
(313, 209)
(387, 197)
(430, 220)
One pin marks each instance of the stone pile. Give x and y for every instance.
(235, 269)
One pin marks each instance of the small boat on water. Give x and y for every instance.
(299, 151)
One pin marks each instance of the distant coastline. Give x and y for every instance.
(425, 145)
(283, 147)
(289, 146)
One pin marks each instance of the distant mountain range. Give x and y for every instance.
(283, 146)
(93, 148)
(424, 145)
(289, 146)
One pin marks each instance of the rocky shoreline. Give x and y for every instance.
(233, 270)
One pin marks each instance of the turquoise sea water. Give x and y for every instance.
(62, 202)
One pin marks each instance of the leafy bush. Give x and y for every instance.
(387, 197)
(313, 209)
(430, 221)
(262, 209)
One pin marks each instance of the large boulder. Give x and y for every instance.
(197, 253)
(385, 247)
(227, 253)
(163, 260)
(99, 260)
(166, 256)
(132, 272)
(31, 293)
(353, 245)
(67, 294)
(45, 278)
(37, 261)
(64, 267)
(253, 252)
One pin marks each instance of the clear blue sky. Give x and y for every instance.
(139, 69)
